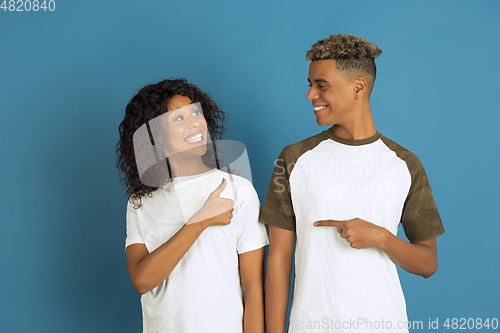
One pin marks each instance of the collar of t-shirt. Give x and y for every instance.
(351, 142)
(186, 179)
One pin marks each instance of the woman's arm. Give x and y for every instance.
(252, 283)
(148, 270)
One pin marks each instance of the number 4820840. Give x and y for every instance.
(28, 5)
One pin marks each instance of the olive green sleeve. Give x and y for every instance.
(278, 209)
(420, 217)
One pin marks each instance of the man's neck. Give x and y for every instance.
(358, 128)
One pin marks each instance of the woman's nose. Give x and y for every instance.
(193, 121)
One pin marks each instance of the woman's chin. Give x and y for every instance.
(191, 152)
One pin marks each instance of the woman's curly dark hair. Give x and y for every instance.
(149, 103)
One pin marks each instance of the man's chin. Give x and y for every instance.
(322, 122)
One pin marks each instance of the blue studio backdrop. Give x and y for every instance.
(68, 71)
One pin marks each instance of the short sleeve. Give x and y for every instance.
(420, 218)
(133, 231)
(278, 209)
(252, 235)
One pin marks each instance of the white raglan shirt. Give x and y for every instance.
(338, 288)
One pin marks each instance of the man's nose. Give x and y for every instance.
(312, 94)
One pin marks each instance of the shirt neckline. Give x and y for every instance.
(183, 179)
(176, 181)
(351, 142)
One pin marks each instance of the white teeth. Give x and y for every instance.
(194, 138)
(317, 108)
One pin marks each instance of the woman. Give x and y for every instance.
(194, 246)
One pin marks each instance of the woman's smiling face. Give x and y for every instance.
(185, 128)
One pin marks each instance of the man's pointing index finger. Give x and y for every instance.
(329, 223)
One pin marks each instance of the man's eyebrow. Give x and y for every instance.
(318, 81)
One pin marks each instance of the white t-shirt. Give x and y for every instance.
(203, 292)
(338, 288)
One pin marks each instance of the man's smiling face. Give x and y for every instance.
(331, 93)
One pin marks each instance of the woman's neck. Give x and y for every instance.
(190, 167)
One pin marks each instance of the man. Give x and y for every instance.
(339, 197)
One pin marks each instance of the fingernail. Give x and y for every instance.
(223, 180)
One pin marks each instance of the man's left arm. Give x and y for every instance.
(418, 258)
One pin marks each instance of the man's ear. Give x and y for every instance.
(360, 87)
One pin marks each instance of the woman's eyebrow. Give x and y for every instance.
(174, 113)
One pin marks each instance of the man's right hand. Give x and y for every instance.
(216, 210)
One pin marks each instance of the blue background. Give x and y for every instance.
(66, 77)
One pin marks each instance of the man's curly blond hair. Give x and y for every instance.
(351, 53)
